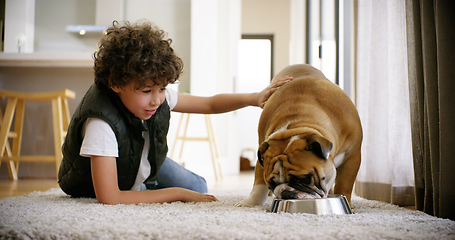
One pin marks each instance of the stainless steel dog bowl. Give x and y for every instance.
(333, 204)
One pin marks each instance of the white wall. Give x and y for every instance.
(297, 33)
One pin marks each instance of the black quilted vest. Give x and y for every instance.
(74, 176)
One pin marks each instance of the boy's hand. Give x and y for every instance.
(191, 196)
(264, 95)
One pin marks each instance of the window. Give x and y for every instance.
(330, 40)
(322, 39)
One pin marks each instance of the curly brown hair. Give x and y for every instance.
(135, 52)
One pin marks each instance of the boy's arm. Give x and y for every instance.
(222, 103)
(104, 176)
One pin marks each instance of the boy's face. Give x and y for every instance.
(141, 102)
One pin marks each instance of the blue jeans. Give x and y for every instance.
(172, 174)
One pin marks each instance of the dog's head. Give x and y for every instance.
(298, 166)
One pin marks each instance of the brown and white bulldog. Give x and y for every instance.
(309, 140)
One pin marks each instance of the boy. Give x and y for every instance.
(116, 142)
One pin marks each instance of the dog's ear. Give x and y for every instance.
(261, 150)
(319, 146)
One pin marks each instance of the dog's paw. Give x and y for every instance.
(257, 196)
(247, 203)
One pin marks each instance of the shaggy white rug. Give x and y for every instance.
(53, 215)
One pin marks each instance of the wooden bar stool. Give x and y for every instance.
(15, 109)
(210, 139)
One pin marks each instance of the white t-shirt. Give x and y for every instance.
(99, 140)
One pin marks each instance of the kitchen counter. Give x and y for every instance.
(70, 59)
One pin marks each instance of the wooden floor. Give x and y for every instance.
(10, 188)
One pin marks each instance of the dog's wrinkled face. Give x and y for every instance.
(298, 167)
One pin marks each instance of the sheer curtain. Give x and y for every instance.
(382, 97)
(431, 57)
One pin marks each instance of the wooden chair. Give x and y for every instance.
(15, 109)
(210, 139)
